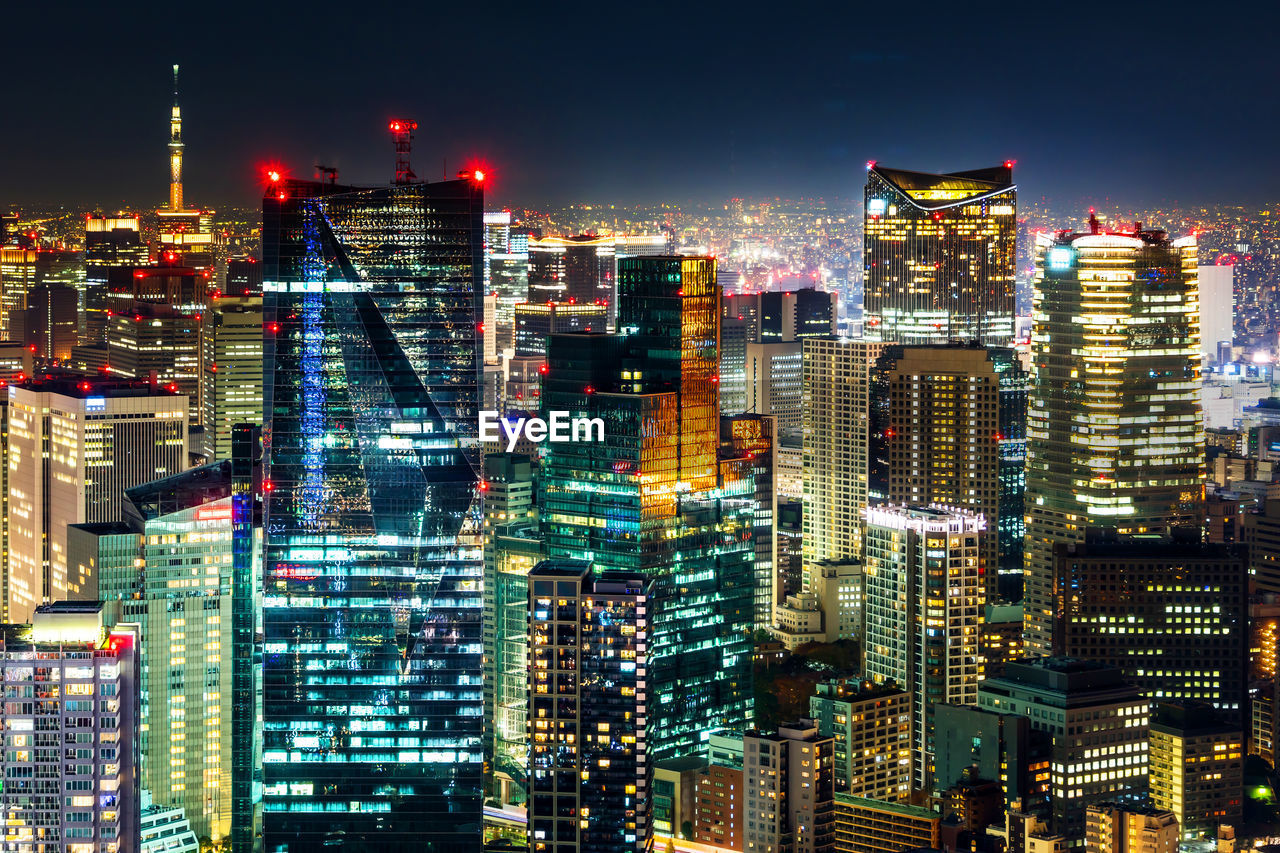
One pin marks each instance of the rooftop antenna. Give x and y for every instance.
(402, 137)
(327, 172)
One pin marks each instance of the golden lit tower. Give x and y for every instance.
(939, 255)
(1115, 438)
(175, 149)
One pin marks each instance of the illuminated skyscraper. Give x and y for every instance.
(155, 329)
(74, 447)
(230, 369)
(50, 324)
(573, 269)
(17, 276)
(536, 321)
(836, 382)
(754, 437)
(176, 583)
(939, 255)
(186, 234)
(654, 497)
(113, 248)
(924, 597)
(590, 770)
(373, 673)
(948, 428)
(1114, 433)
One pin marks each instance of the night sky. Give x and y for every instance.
(634, 102)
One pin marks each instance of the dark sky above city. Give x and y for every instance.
(1139, 103)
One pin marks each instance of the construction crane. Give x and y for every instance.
(402, 136)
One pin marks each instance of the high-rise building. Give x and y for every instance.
(789, 782)
(69, 762)
(230, 369)
(17, 277)
(1000, 747)
(74, 446)
(1217, 315)
(947, 428)
(836, 384)
(155, 330)
(373, 563)
(655, 497)
(590, 778)
(511, 549)
(113, 249)
(772, 373)
(247, 493)
(753, 436)
(1129, 828)
(1197, 767)
(1114, 434)
(177, 585)
(536, 321)
(938, 255)
(870, 725)
(51, 319)
(793, 315)
(244, 277)
(1171, 614)
(924, 596)
(164, 829)
(574, 269)
(1097, 724)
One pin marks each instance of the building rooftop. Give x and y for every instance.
(903, 809)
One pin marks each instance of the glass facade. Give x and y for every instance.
(654, 497)
(939, 256)
(1115, 438)
(372, 695)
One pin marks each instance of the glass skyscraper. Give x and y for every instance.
(372, 670)
(655, 496)
(939, 255)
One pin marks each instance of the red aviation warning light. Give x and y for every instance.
(402, 138)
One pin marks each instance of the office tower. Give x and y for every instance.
(1098, 728)
(1197, 767)
(244, 277)
(865, 825)
(753, 436)
(590, 778)
(789, 782)
(113, 248)
(511, 549)
(74, 446)
(230, 369)
(1116, 828)
(924, 598)
(50, 322)
(154, 330)
(655, 497)
(1114, 435)
(947, 428)
(497, 234)
(772, 384)
(573, 269)
(796, 314)
(177, 585)
(675, 783)
(68, 765)
(535, 322)
(836, 422)
(17, 276)
(938, 255)
(1004, 748)
(734, 335)
(1217, 304)
(247, 491)
(1171, 614)
(373, 562)
(870, 725)
(509, 284)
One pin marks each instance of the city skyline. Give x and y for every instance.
(771, 105)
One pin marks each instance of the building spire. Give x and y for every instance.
(175, 149)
